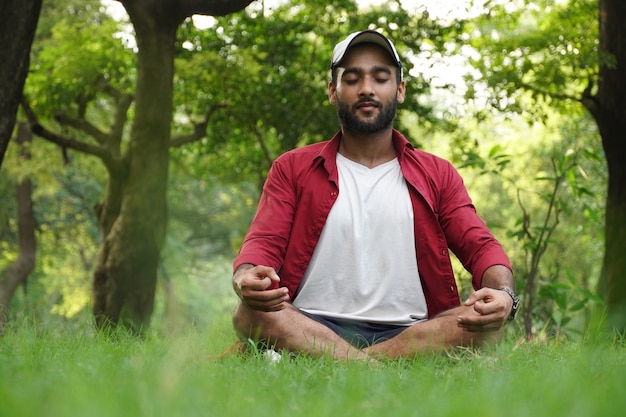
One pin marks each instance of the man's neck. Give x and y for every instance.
(370, 149)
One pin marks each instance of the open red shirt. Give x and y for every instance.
(302, 186)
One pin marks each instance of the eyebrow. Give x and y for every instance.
(374, 69)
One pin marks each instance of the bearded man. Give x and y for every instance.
(348, 253)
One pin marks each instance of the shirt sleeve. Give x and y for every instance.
(468, 236)
(268, 235)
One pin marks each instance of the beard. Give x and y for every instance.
(349, 120)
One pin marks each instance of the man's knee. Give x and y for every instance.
(254, 324)
(263, 325)
(243, 322)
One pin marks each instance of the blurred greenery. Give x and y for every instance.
(261, 75)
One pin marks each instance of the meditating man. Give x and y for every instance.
(347, 254)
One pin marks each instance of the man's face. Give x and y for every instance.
(366, 92)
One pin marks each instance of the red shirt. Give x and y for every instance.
(302, 186)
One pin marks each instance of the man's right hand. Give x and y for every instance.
(253, 285)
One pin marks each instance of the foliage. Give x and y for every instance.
(66, 231)
(560, 301)
(550, 49)
(527, 52)
(82, 53)
(258, 78)
(274, 88)
(559, 201)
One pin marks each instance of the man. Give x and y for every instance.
(348, 253)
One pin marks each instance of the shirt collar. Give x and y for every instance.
(328, 153)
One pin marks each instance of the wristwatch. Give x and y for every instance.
(515, 301)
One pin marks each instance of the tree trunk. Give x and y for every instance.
(17, 273)
(126, 274)
(608, 107)
(125, 278)
(18, 21)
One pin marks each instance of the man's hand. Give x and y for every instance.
(253, 285)
(491, 307)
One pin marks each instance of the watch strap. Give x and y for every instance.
(516, 302)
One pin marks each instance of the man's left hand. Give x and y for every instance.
(491, 307)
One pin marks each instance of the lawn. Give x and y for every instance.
(76, 373)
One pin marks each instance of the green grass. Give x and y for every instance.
(76, 373)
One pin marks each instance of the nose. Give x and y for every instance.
(367, 87)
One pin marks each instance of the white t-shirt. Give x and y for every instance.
(364, 266)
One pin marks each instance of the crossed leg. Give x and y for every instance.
(435, 335)
(291, 330)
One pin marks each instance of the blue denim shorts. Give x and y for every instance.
(359, 334)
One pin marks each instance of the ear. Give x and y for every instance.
(332, 90)
(401, 92)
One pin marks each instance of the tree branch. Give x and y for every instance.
(84, 126)
(123, 102)
(262, 144)
(549, 93)
(173, 12)
(590, 101)
(199, 129)
(64, 141)
(214, 7)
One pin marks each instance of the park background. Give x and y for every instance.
(496, 87)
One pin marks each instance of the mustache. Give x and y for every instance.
(369, 101)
